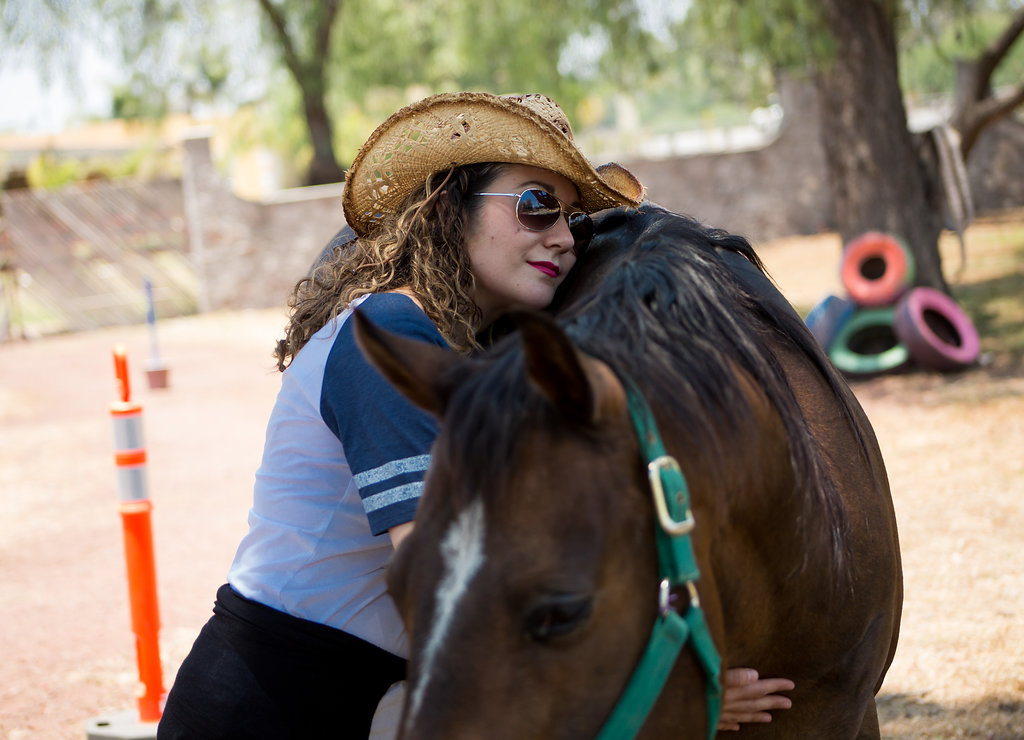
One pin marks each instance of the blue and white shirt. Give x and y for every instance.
(344, 461)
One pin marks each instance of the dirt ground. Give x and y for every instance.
(954, 447)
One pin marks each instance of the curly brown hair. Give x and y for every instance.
(422, 251)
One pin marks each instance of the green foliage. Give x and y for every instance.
(388, 43)
(174, 61)
(681, 69)
(706, 80)
(740, 41)
(388, 52)
(50, 172)
(782, 33)
(491, 45)
(36, 31)
(174, 53)
(932, 43)
(137, 100)
(275, 123)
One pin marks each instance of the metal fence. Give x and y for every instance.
(78, 258)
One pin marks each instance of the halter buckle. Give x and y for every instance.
(673, 527)
(665, 597)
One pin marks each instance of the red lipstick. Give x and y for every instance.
(548, 268)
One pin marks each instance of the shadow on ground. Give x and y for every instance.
(913, 716)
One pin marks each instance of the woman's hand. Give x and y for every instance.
(749, 698)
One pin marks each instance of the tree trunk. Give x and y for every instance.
(324, 166)
(311, 77)
(880, 179)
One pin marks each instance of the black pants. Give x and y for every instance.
(255, 672)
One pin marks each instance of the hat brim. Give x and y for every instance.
(455, 129)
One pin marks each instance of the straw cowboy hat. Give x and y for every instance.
(453, 129)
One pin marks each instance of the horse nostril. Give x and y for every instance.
(557, 615)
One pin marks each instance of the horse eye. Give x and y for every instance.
(557, 616)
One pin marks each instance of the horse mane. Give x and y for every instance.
(657, 298)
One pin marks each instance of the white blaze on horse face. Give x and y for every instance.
(462, 552)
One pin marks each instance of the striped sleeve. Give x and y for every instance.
(386, 439)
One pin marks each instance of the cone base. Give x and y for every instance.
(120, 726)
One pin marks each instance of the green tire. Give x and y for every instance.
(867, 344)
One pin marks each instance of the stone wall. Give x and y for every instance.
(782, 189)
(996, 167)
(250, 254)
(765, 193)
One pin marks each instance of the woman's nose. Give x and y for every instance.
(559, 236)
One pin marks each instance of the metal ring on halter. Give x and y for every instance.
(694, 597)
(670, 525)
(664, 597)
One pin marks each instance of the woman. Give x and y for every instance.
(464, 206)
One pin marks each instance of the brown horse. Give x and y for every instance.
(530, 583)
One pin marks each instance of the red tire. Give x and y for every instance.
(876, 269)
(938, 333)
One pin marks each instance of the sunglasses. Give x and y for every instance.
(539, 210)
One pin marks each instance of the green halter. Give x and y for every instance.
(677, 566)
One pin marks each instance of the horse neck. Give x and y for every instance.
(746, 498)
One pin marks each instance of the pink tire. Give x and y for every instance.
(876, 269)
(938, 333)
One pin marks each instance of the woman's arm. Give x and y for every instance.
(398, 533)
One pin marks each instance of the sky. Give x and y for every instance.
(34, 107)
(28, 101)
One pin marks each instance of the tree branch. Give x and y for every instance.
(323, 31)
(993, 108)
(288, 51)
(982, 114)
(976, 107)
(996, 51)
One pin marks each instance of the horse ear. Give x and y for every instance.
(415, 368)
(574, 383)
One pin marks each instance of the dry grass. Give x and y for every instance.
(954, 449)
